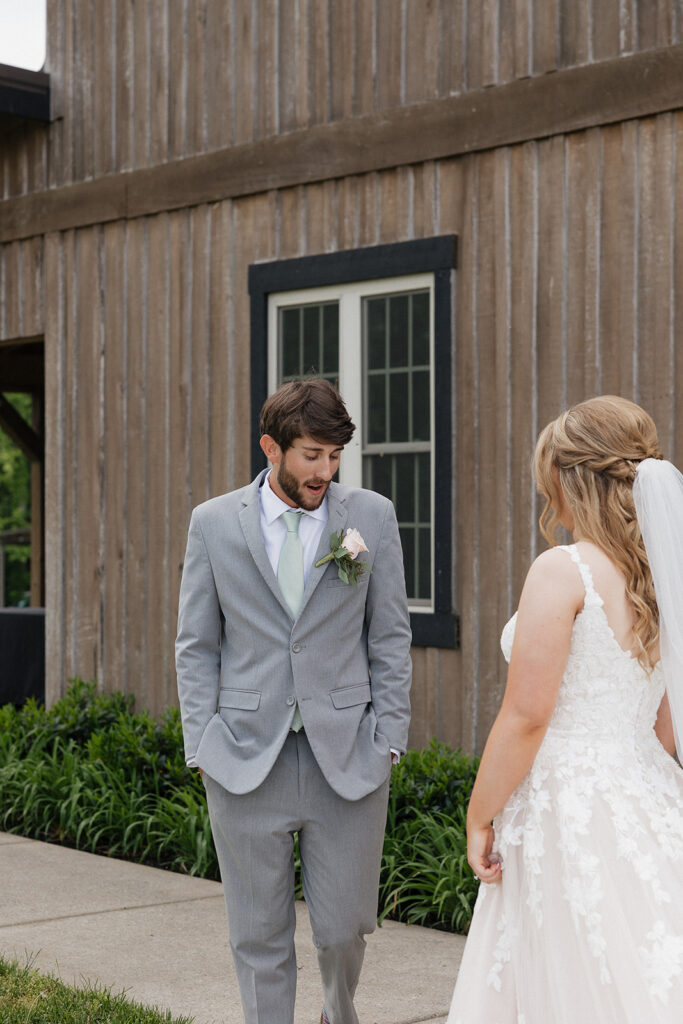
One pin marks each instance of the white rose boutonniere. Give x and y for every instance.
(345, 553)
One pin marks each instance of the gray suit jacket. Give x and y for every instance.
(242, 661)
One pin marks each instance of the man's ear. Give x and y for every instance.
(270, 448)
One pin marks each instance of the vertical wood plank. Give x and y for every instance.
(124, 52)
(490, 41)
(164, 288)
(221, 344)
(291, 206)
(473, 70)
(88, 439)
(55, 459)
(388, 205)
(451, 59)
(523, 428)
(467, 548)
(157, 83)
(84, 88)
(104, 90)
(388, 53)
(183, 393)
(267, 85)
(321, 217)
(198, 86)
(342, 28)
(421, 50)
(178, 79)
(244, 71)
(549, 277)
(368, 208)
(610, 256)
(574, 31)
(253, 239)
(136, 570)
(115, 457)
(544, 31)
(606, 31)
(55, 65)
(141, 71)
(365, 48)
(629, 297)
(348, 212)
(219, 30)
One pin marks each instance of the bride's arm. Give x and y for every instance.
(552, 596)
(664, 727)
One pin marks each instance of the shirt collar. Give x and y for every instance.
(272, 506)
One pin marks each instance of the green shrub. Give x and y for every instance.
(93, 774)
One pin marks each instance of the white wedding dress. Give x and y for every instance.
(586, 926)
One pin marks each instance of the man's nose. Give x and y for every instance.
(326, 471)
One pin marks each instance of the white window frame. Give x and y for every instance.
(351, 383)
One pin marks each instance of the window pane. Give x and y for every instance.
(375, 311)
(398, 330)
(424, 487)
(377, 471)
(398, 397)
(424, 569)
(289, 332)
(420, 329)
(407, 534)
(421, 426)
(376, 413)
(331, 339)
(405, 488)
(312, 339)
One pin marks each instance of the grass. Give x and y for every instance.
(28, 997)
(93, 774)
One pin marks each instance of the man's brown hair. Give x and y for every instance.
(310, 408)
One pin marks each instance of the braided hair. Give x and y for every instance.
(586, 462)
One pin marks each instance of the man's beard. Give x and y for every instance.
(291, 487)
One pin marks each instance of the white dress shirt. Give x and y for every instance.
(274, 530)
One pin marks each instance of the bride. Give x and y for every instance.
(581, 914)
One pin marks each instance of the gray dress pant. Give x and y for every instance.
(341, 847)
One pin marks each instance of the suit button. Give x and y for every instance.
(291, 701)
(296, 647)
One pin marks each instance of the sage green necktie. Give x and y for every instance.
(290, 576)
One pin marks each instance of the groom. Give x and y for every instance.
(293, 683)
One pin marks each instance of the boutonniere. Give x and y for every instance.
(345, 552)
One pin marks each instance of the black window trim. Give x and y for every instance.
(438, 255)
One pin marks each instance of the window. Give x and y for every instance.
(377, 323)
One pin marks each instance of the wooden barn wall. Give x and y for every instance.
(21, 290)
(568, 285)
(136, 84)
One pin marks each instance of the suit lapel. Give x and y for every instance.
(250, 521)
(336, 521)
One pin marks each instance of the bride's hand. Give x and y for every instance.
(486, 864)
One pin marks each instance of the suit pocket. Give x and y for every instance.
(349, 696)
(242, 700)
(336, 582)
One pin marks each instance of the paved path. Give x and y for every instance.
(162, 937)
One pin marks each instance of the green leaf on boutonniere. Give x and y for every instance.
(349, 569)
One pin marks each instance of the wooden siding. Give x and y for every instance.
(568, 285)
(21, 290)
(135, 85)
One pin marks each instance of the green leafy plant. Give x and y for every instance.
(94, 774)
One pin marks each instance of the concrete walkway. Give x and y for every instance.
(162, 937)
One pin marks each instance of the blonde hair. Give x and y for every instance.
(586, 460)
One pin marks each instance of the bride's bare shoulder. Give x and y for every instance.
(553, 576)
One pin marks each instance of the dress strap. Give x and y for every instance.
(592, 596)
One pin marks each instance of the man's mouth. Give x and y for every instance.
(315, 488)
